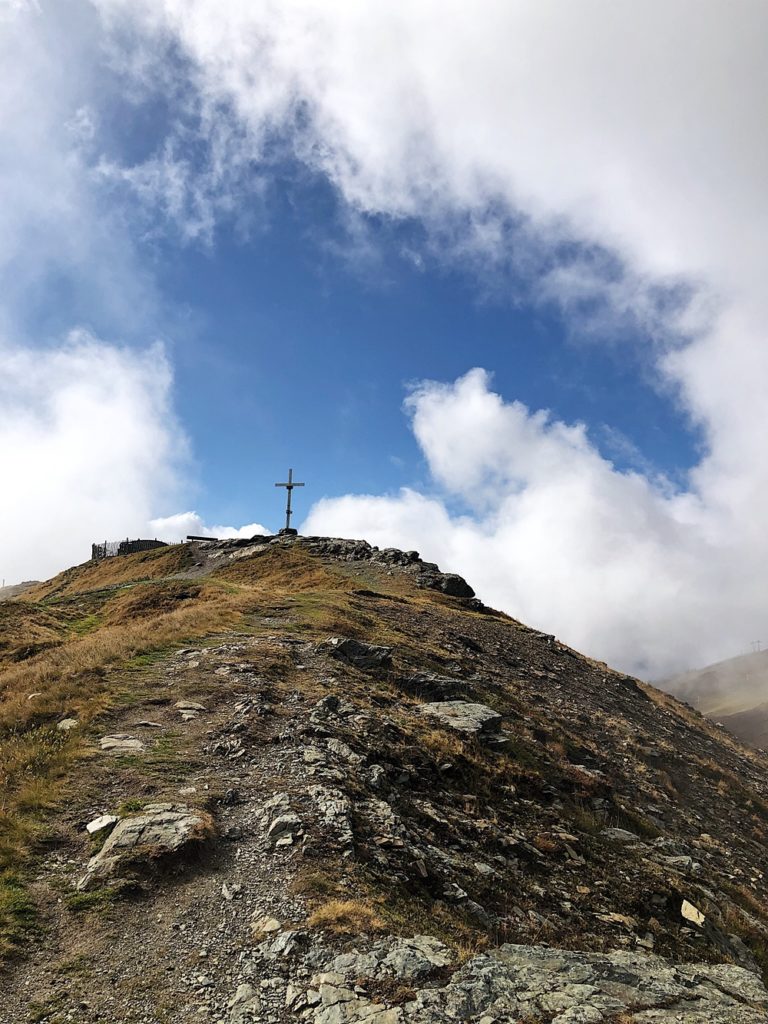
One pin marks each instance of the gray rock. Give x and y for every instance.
(161, 830)
(335, 809)
(121, 743)
(447, 582)
(283, 829)
(359, 654)
(463, 716)
(581, 988)
(514, 983)
(620, 835)
(435, 687)
(244, 1005)
(100, 823)
(66, 724)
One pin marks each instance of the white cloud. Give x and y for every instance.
(616, 564)
(89, 447)
(178, 527)
(67, 255)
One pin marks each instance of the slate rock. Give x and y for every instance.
(160, 831)
(244, 1005)
(569, 987)
(464, 717)
(435, 687)
(446, 582)
(359, 654)
(121, 743)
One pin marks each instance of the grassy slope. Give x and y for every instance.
(64, 651)
(108, 622)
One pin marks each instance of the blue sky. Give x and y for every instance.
(488, 278)
(293, 357)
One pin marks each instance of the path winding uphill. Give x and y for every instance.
(305, 779)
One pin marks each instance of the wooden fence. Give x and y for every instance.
(111, 548)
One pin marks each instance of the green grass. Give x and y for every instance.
(131, 807)
(18, 914)
(88, 902)
(86, 624)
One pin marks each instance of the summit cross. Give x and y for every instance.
(289, 485)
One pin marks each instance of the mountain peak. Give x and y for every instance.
(308, 779)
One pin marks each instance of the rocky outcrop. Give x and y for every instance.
(447, 582)
(527, 983)
(159, 832)
(364, 656)
(463, 716)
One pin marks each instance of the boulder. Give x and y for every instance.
(160, 831)
(359, 654)
(446, 582)
(464, 717)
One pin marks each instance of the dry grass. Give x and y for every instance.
(110, 572)
(103, 618)
(69, 679)
(346, 917)
(78, 678)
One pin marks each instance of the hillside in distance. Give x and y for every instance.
(733, 692)
(305, 779)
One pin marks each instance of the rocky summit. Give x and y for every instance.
(306, 779)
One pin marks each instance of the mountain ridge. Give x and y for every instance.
(733, 692)
(370, 797)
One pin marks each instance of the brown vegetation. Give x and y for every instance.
(346, 917)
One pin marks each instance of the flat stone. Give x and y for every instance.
(693, 914)
(620, 835)
(121, 743)
(100, 823)
(463, 716)
(189, 705)
(264, 924)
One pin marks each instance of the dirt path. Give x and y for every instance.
(179, 950)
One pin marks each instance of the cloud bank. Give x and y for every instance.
(178, 527)
(89, 447)
(624, 567)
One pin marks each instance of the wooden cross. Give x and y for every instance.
(288, 513)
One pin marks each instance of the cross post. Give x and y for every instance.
(289, 485)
